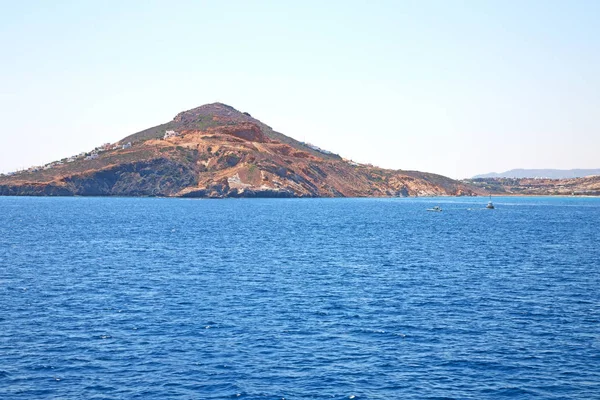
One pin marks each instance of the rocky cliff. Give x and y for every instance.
(216, 151)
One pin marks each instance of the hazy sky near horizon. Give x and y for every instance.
(451, 87)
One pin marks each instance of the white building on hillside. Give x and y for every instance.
(170, 134)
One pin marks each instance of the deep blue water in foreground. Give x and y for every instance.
(120, 298)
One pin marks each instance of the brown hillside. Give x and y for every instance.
(219, 152)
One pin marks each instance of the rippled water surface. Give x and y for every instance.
(106, 298)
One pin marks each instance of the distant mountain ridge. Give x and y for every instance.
(541, 173)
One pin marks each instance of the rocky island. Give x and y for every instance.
(216, 151)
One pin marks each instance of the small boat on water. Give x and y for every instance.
(435, 209)
(490, 205)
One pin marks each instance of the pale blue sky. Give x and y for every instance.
(452, 87)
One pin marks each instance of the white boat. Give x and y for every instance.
(490, 205)
(435, 209)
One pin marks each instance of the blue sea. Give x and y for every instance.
(148, 298)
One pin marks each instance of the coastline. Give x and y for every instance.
(303, 197)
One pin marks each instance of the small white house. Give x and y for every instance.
(127, 145)
(170, 134)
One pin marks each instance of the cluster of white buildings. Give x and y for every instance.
(94, 154)
(87, 156)
(40, 167)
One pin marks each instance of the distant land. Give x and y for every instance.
(216, 151)
(586, 186)
(542, 173)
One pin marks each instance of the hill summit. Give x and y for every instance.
(217, 151)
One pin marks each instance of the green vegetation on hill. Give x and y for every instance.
(150, 133)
